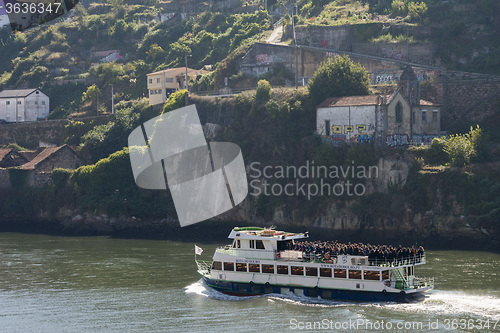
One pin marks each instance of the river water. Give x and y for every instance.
(98, 284)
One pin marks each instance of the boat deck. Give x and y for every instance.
(298, 256)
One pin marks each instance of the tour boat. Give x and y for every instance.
(263, 261)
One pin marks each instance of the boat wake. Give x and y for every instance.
(438, 302)
(202, 289)
(454, 303)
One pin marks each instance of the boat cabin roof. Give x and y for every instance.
(264, 234)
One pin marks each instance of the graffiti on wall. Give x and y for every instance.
(397, 140)
(382, 78)
(420, 139)
(393, 54)
(363, 137)
(346, 129)
(338, 138)
(332, 55)
(324, 43)
(263, 57)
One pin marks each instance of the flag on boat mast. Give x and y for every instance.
(197, 250)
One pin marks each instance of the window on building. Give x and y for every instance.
(327, 127)
(158, 80)
(43, 102)
(36, 102)
(18, 102)
(150, 81)
(399, 112)
(151, 92)
(7, 103)
(424, 115)
(434, 115)
(169, 79)
(37, 92)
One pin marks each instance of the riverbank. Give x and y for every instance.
(217, 231)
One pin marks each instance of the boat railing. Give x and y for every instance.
(402, 261)
(423, 282)
(365, 260)
(204, 266)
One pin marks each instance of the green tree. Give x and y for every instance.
(462, 148)
(93, 92)
(417, 9)
(263, 92)
(155, 52)
(337, 78)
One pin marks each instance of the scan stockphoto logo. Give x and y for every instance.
(205, 180)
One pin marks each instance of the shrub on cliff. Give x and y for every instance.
(337, 78)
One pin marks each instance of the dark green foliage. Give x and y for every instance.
(263, 92)
(109, 187)
(60, 177)
(175, 101)
(338, 77)
(18, 178)
(105, 139)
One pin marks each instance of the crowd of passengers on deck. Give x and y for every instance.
(376, 253)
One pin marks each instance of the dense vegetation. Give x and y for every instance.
(273, 126)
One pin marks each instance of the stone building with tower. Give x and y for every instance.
(396, 120)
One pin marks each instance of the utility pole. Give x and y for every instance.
(296, 48)
(186, 79)
(112, 101)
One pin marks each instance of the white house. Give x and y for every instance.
(353, 118)
(396, 120)
(23, 105)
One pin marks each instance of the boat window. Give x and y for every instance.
(241, 267)
(217, 265)
(385, 275)
(254, 268)
(312, 271)
(371, 275)
(354, 274)
(237, 244)
(252, 244)
(282, 269)
(297, 270)
(285, 245)
(268, 269)
(340, 273)
(259, 245)
(325, 272)
(229, 266)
